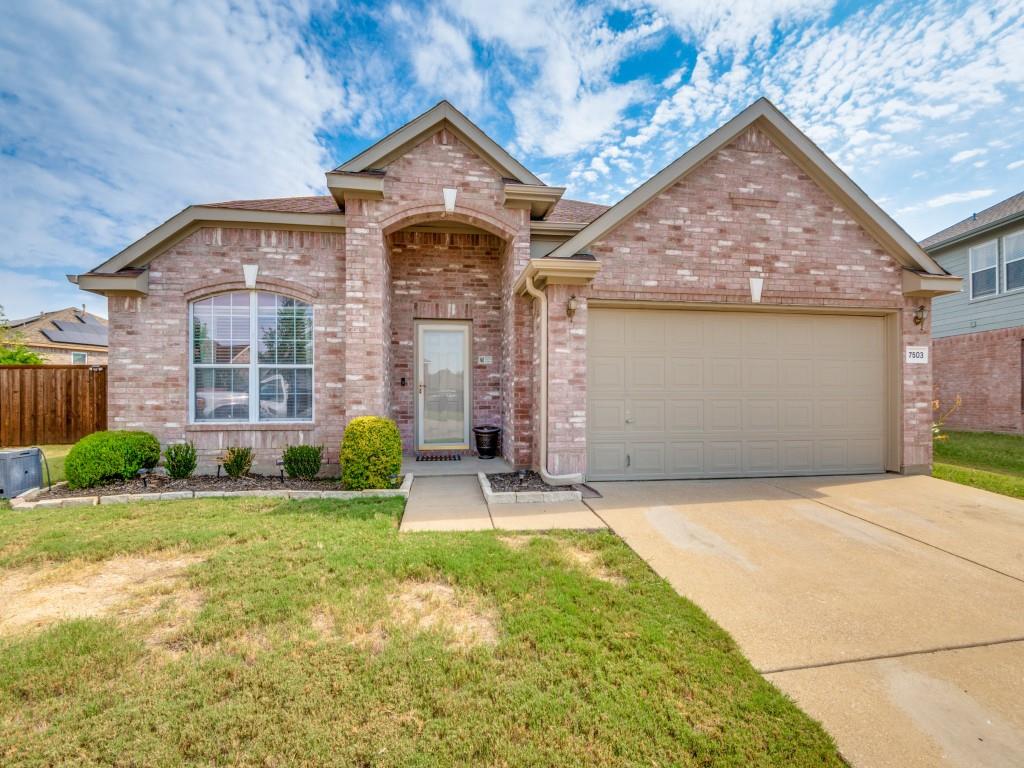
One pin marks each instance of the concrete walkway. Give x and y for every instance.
(891, 608)
(456, 503)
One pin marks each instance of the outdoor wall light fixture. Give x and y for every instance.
(571, 306)
(920, 315)
(449, 199)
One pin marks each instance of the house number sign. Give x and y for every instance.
(917, 355)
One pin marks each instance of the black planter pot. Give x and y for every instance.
(486, 441)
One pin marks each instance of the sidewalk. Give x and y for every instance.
(456, 503)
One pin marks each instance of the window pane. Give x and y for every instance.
(984, 256)
(1013, 246)
(983, 283)
(286, 393)
(222, 394)
(285, 330)
(220, 329)
(1015, 274)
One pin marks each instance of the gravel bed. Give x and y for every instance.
(164, 484)
(513, 482)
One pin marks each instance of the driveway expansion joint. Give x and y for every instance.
(896, 655)
(893, 530)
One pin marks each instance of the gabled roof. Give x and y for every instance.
(801, 150)
(443, 113)
(1006, 212)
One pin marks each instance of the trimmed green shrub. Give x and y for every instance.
(371, 453)
(110, 456)
(303, 461)
(237, 461)
(180, 460)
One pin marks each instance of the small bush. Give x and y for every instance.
(180, 460)
(237, 461)
(371, 453)
(303, 461)
(110, 456)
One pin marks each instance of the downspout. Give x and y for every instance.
(542, 298)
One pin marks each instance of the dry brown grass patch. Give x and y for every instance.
(434, 606)
(590, 563)
(516, 542)
(130, 587)
(322, 622)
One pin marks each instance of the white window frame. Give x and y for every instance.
(1005, 261)
(971, 271)
(85, 358)
(253, 366)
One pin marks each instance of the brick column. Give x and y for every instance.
(567, 382)
(366, 313)
(917, 391)
(518, 369)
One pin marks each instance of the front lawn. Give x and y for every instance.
(986, 460)
(261, 633)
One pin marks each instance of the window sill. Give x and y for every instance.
(244, 426)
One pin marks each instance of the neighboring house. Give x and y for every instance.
(69, 336)
(978, 334)
(744, 312)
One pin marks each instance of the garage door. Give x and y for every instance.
(687, 394)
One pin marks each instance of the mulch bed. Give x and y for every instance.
(505, 482)
(164, 484)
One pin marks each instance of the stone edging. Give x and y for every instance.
(523, 497)
(26, 500)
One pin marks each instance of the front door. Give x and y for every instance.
(442, 385)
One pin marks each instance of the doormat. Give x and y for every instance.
(438, 457)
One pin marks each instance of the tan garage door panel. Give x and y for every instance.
(681, 393)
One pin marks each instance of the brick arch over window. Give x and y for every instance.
(286, 288)
(421, 214)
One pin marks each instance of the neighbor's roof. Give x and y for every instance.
(62, 327)
(565, 211)
(1009, 209)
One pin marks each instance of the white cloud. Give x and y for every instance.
(1015, 165)
(958, 197)
(119, 115)
(966, 154)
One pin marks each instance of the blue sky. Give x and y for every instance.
(114, 116)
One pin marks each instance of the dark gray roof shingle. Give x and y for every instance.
(1008, 208)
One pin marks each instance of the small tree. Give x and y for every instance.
(12, 348)
(939, 424)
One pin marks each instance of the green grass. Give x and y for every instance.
(986, 460)
(983, 450)
(585, 672)
(1008, 485)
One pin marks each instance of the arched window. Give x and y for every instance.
(227, 382)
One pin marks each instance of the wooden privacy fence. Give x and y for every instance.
(46, 404)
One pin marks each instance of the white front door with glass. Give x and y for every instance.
(442, 385)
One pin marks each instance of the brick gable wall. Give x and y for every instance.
(747, 211)
(984, 369)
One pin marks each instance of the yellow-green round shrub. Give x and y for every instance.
(371, 453)
(110, 456)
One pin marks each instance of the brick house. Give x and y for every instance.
(743, 312)
(69, 336)
(978, 333)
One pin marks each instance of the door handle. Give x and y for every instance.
(422, 388)
(629, 419)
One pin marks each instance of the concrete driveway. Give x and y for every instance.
(890, 608)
